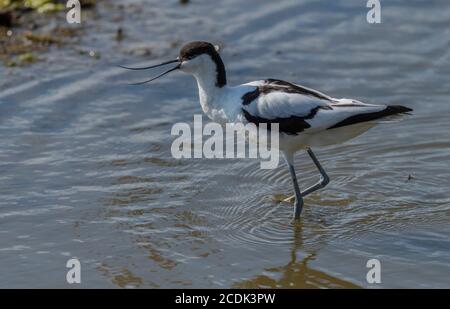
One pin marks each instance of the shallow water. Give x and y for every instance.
(86, 169)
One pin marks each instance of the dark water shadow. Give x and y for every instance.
(296, 273)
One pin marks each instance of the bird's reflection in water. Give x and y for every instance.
(296, 273)
(168, 237)
(123, 277)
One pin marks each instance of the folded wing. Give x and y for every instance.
(300, 109)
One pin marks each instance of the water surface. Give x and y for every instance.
(86, 170)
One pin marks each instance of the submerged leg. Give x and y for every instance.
(324, 179)
(298, 194)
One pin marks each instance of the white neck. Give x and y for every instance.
(207, 89)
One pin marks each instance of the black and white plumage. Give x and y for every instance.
(306, 117)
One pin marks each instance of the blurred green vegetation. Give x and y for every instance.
(41, 6)
(22, 35)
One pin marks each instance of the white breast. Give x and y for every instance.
(225, 106)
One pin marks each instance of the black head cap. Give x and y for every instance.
(197, 48)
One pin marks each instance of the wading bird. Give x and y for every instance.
(306, 117)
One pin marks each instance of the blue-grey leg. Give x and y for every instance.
(298, 195)
(324, 179)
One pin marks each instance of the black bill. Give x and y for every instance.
(154, 66)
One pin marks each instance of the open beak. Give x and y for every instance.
(155, 66)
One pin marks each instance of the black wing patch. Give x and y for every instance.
(290, 125)
(388, 111)
(276, 85)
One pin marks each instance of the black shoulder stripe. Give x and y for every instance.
(289, 125)
(275, 85)
(388, 111)
(281, 85)
(250, 96)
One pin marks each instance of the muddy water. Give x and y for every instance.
(86, 169)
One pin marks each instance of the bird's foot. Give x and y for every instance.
(281, 198)
(290, 199)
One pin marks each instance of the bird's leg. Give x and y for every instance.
(324, 179)
(298, 194)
